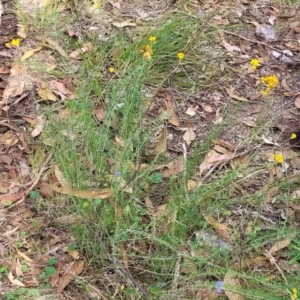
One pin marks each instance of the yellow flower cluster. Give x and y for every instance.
(295, 294)
(254, 63)
(271, 81)
(13, 43)
(147, 52)
(278, 158)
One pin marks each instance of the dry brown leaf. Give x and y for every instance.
(5, 54)
(24, 138)
(174, 121)
(232, 282)
(232, 95)
(87, 47)
(12, 197)
(221, 229)
(64, 114)
(18, 268)
(29, 53)
(173, 168)
(191, 111)
(4, 70)
(16, 84)
(220, 149)
(225, 144)
(124, 23)
(29, 120)
(28, 259)
(55, 46)
(297, 101)
(189, 136)
(280, 245)
(191, 185)
(100, 114)
(207, 294)
(213, 158)
(84, 194)
(75, 270)
(285, 85)
(55, 277)
(206, 108)
(60, 88)
(38, 127)
(229, 47)
(13, 280)
(47, 94)
(60, 177)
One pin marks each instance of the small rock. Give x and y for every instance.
(285, 56)
(266, 32)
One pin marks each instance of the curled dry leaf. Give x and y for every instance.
(60, 89)
(75, 270)
(13, 280)
(280, 245)
(232, 283)
(213, 158)
(297, 101)
(39, 126)
(87, 47)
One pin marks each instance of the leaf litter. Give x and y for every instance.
(185, 124)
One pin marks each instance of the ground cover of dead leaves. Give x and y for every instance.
(184, 127)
